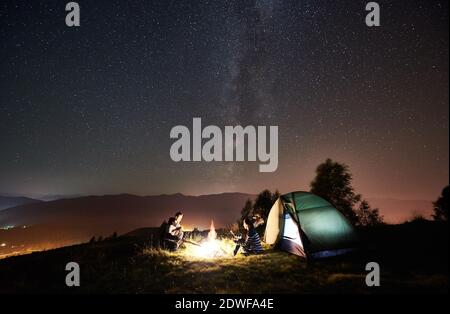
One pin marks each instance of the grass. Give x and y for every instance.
(413, 258)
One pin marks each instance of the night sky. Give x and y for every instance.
(89, 110)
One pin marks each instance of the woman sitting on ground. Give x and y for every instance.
(251, 243)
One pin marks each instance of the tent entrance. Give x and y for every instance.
(290, 239)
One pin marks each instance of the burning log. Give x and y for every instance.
(191, 242)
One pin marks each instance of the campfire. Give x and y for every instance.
(211, 247)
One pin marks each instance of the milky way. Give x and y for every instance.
(89, 109)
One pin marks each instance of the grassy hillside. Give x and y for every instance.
(413, 258)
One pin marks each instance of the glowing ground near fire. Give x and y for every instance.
(210, 248)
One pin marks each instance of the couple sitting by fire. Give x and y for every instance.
(250, 242)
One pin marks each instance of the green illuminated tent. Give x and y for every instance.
(307, 225)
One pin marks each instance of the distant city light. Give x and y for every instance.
(3, 244)
(7, 227)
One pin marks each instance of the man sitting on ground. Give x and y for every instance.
(174, 232)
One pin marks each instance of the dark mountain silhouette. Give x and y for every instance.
(124, 212)
(12, 201)
(103, 215)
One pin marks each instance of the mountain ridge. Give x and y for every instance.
(13, 201)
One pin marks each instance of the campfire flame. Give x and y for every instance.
(212, 235)
(211, 247)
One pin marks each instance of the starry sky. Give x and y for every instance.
(89, 110)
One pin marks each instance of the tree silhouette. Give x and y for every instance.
(368, 216)
(441, 205)
(333, 182)
(263, 203)
(259, 208)
(246, 211)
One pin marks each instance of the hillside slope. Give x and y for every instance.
(133, 265)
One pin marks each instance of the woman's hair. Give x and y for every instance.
(254, 221)
(178, 214)
(171, 220)
(249, 222)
